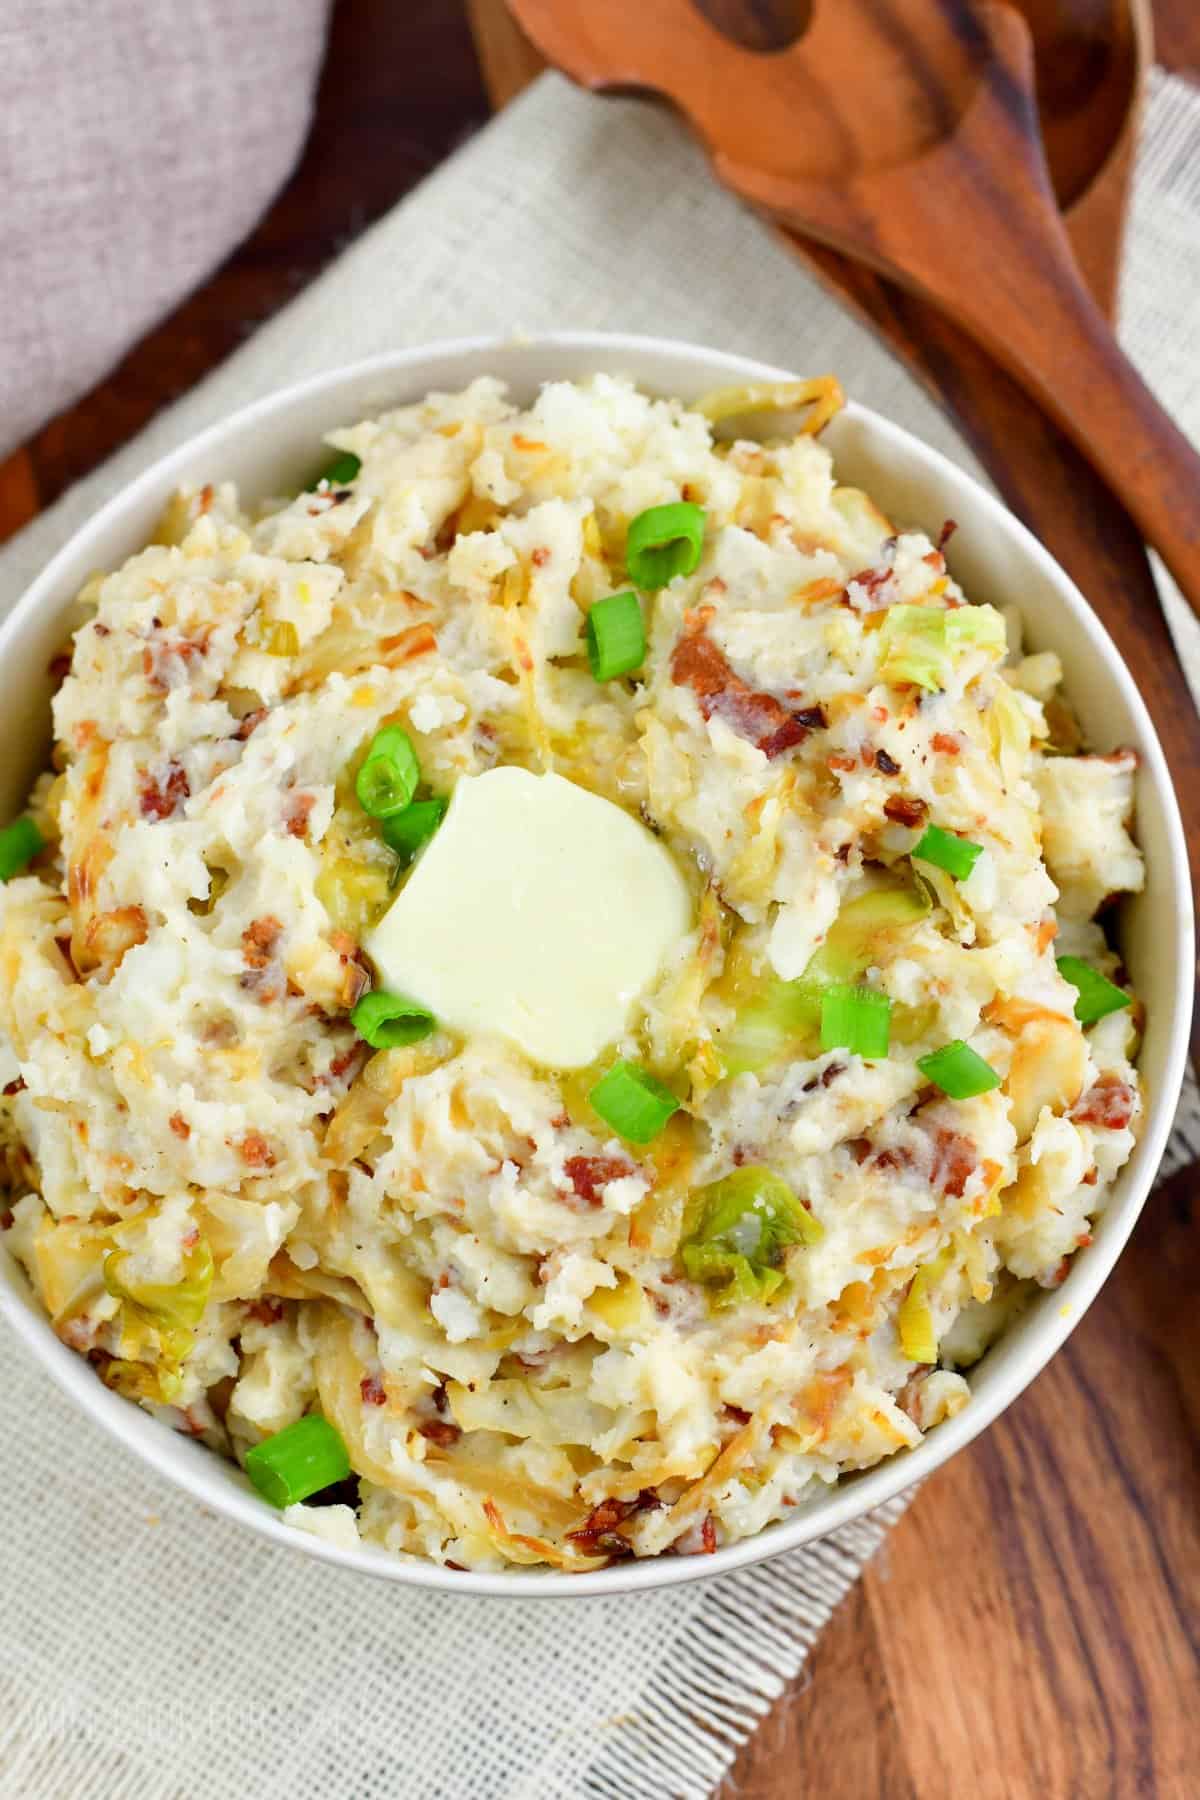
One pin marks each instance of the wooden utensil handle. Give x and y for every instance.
(973, 226)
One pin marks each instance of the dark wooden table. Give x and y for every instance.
(1033, 1626)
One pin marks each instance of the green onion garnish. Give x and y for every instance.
(630, 1100)
(662, 542)
(408, 831)
(298, 1461)
(959, 1071)
(341, 471)
(944, 850)
(19, 844)
(389, 775)
(855, 1019)
(389, 1021)
(1096, 995)
(616, 636)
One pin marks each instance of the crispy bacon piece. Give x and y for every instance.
(886, 764)
(708, 1535)
(296, 809)
(179, 1125)
(903, 810)
(947, 742)
(589, 1174)
(266, 1311)
(161, 796)
(256, 1152)
(372, 1390)
(696, 662)
(440, 1432)
(250, 723)
(1109, 1103)
(259, 940)
(13, 1087)
(954, 1162)
(598, 1535)
(947, 532)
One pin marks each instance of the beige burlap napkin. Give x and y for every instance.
(150, 1651)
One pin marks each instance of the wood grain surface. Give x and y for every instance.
(1033, 1626)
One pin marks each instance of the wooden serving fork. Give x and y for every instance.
(905, 133)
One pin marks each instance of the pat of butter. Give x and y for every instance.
(539, 912)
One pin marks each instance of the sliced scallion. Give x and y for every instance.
(340, 471)
(1096, 995)
(387, 780)
(956, 855)
(298, 1461)
(633, 1102)
(959, 1071)
(389, 1021)
(409, 831)
(19, 844)
(616, 636)
(855, 1019)
(662, 542)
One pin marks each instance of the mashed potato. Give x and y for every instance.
(539, 1341)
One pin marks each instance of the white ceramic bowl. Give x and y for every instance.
(269, 447)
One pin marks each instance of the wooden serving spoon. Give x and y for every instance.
(908, 137)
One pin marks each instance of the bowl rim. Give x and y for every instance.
(848, 1500)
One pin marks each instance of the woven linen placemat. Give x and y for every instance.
(152, 1651)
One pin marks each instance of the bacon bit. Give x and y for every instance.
(405, 646)
(935, 559)
(256, 1152)
(153, 660)
(904, 810)
(886, 764)
(266, 1311)
(372, 1390)
(160, 797)
(440, 1432)
(250, 723)
(1109, 1103)
(696, 662)
(871, 580)
(1084, 1240)
(356, 1052)
(179, 1125)
(859, 1148)
(947, 742)
(539, 557)
(947, 532)
(59, 667)
(259, 940)
(1062, 1271)
(708, 1535)
(440, 1398)
(1092, 1177)
(598, 1535)
(954, 1162)
(589, 1174)
(14, 1087)
(296, 811)
(7, 1219)
(847, 764)
(898, 1156)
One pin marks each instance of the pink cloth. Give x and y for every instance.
(140, 140)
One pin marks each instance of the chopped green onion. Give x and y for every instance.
(630, 1100)
(409, 831)
(298, 1461)
(19, 844)
(959, 1071)
(662, 542)
(855, 1019)
(341, 471)
(388, 778)
(389, 1021)
(944, 850)
(616, 636)
(1097, 995)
